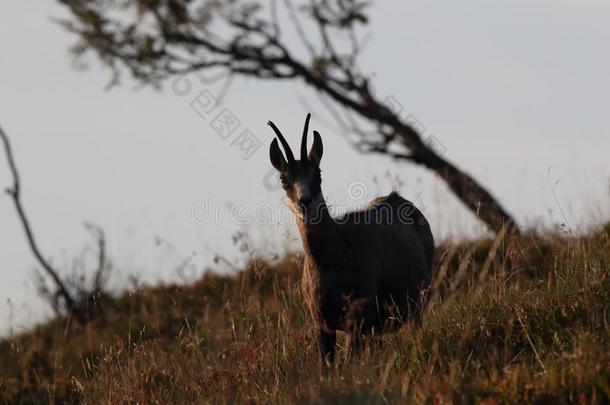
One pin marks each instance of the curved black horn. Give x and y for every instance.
(287, 149)
(304, 139)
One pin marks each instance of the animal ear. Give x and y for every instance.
(277, 159)
(315, 154)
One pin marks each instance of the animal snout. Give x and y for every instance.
(305, 201)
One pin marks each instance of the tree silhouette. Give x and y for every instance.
(158, 39)
(76, 297)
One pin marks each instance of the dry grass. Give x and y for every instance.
(507, 322)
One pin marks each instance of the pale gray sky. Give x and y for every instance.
(510, 88)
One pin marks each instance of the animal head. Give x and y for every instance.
(300, 179)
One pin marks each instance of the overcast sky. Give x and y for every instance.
(517, 93)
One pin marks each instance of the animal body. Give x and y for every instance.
(362, 272)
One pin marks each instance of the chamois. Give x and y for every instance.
(362, 272)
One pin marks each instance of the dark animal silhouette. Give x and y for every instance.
(363, 272)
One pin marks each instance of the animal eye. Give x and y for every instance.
(284, 182)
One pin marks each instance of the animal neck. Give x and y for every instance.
(317, 229)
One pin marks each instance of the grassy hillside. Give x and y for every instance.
(519, 321)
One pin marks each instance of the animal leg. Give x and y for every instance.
(327, 342)
(353, 344)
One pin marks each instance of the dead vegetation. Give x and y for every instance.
(519, 321)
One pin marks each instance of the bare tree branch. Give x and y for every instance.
(235, 38)
(76, 296)
(15, 193)
(98, 276)
(299, 28)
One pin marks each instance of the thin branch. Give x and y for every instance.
(334, 113)
(15, 193)
(274, 18)
(334, 127)
(385, 151)
(98, 234)
(225, 88)
(299, 28)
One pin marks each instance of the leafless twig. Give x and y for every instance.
(71, 303)
(15, 193)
